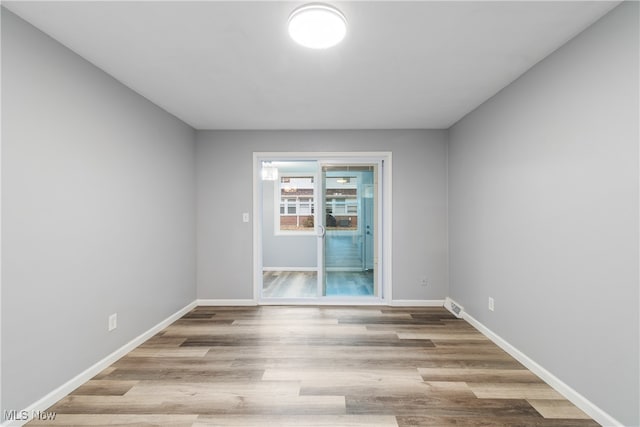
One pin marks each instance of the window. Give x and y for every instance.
(297, 203)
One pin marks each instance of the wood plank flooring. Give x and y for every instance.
(317, 366)
(304, 284)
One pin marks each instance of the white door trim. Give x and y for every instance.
(386, 221)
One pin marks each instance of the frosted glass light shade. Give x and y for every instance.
(317, 26)
(269, 172)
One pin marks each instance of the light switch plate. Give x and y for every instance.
(113, 321)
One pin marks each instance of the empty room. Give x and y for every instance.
(355, 213)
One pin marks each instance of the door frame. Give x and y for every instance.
(385, 234)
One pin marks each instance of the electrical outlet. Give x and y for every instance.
(245, 217)
(113, 321)
(423, 281)
(491, 304)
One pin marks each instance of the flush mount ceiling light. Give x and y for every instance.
(317, 26)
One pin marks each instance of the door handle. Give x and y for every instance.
(321, 231)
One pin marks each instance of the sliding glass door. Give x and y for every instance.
(319, 229)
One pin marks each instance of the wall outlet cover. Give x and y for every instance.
(113, 321)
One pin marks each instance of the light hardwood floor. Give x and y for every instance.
(317, 366)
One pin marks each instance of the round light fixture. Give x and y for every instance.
(317, 26)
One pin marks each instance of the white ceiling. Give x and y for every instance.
(231, 65)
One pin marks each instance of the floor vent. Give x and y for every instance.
(454, 307)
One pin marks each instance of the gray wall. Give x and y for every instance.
(98, 210)
(544, 213)
(224, 165)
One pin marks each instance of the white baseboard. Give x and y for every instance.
(226, 302)
(569, 393)
(289, 268)
(75, 382)
(416, 303)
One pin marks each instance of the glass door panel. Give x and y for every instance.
(348, 195)
(289, 240)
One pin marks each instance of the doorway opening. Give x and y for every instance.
(321, 230)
